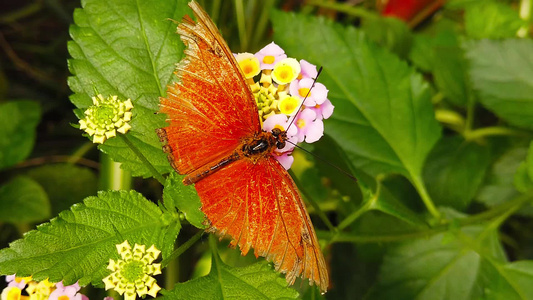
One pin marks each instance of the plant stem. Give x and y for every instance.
(112, 177)
(493, 131)
(143, 159)
(239, 11)
(525, 14)
(355, 215)
(421, 188)
(176, 253)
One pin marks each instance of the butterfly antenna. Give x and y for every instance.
(326, 161)
(306, 95)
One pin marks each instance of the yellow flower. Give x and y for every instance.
(286, 71)
(132, 274)
(106, 117)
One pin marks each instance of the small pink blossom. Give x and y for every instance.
(324, 110)
(270, 55)
(308, 69)
(12, 281)
(316, 94)
(285, 159)
(309, 127)
(69, 292)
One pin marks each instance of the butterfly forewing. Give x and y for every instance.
(210, 108)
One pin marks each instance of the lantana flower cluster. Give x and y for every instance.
(24, 288)
(287, 96)
(106, 117)
(132, 274)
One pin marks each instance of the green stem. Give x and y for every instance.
(421, 188)
(500, 213)
(112, 177)
(143, 159)
(182, 248)
(494, 131)
(355, 215)
(239, 11)
(525, 14)
(262, 22)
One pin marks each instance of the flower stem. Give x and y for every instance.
(176, 253)
(525, 14)
(241, 24)
(143, 159)
(493, 131)
(112, 177)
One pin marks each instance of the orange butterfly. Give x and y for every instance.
(215, 138)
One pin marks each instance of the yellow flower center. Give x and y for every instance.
(284, 73)
(268, 59)
(300, 123)
(63, 297)
(288, 105)
(132, 270)
(249, 66)
(279, 127)
(304, 92)
(14, 294)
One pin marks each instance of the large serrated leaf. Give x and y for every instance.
(18, 120)
(383, 118)
(184, 198)
(128, 49)
(78, 243)
(257, 281)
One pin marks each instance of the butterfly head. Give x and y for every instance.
(281, 137)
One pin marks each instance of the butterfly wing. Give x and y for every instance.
(259, 206)
(211, 107)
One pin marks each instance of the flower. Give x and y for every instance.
(286, 71)
(279, 94)
(12, 293)
(249, 64)
(270, 55)
(133, 273)
(105, 117)
(324, 110)
(19, 282)
(69, 292)
(308, 70)
(39, 290)
(309, 126)
(313, 94)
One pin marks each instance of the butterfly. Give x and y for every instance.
(214, 137)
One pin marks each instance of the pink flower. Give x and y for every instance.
(282, 122)
(19, 282)
(324, 110)
(270, 55)
(316, 94)
(69, 292)
(308, 69)
(309, 127)
(285, 159)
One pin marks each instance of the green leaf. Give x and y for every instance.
(446, 266)
(18, 120)
(455, 170)
(383, 116)
(521, 274)
(504, 21)
(65, 184)
(128, 49)
(523, 179)
(78, 244)
(184, 198)
(257, 281)
(502, 74)
(392, 33)
(23, 200)
(498, 186)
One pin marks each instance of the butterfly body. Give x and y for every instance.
(214, 137)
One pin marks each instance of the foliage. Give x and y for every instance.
(435, 121)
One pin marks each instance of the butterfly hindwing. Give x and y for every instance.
(258, 205)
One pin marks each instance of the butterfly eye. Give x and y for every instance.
(276, 132)
(280, 145)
